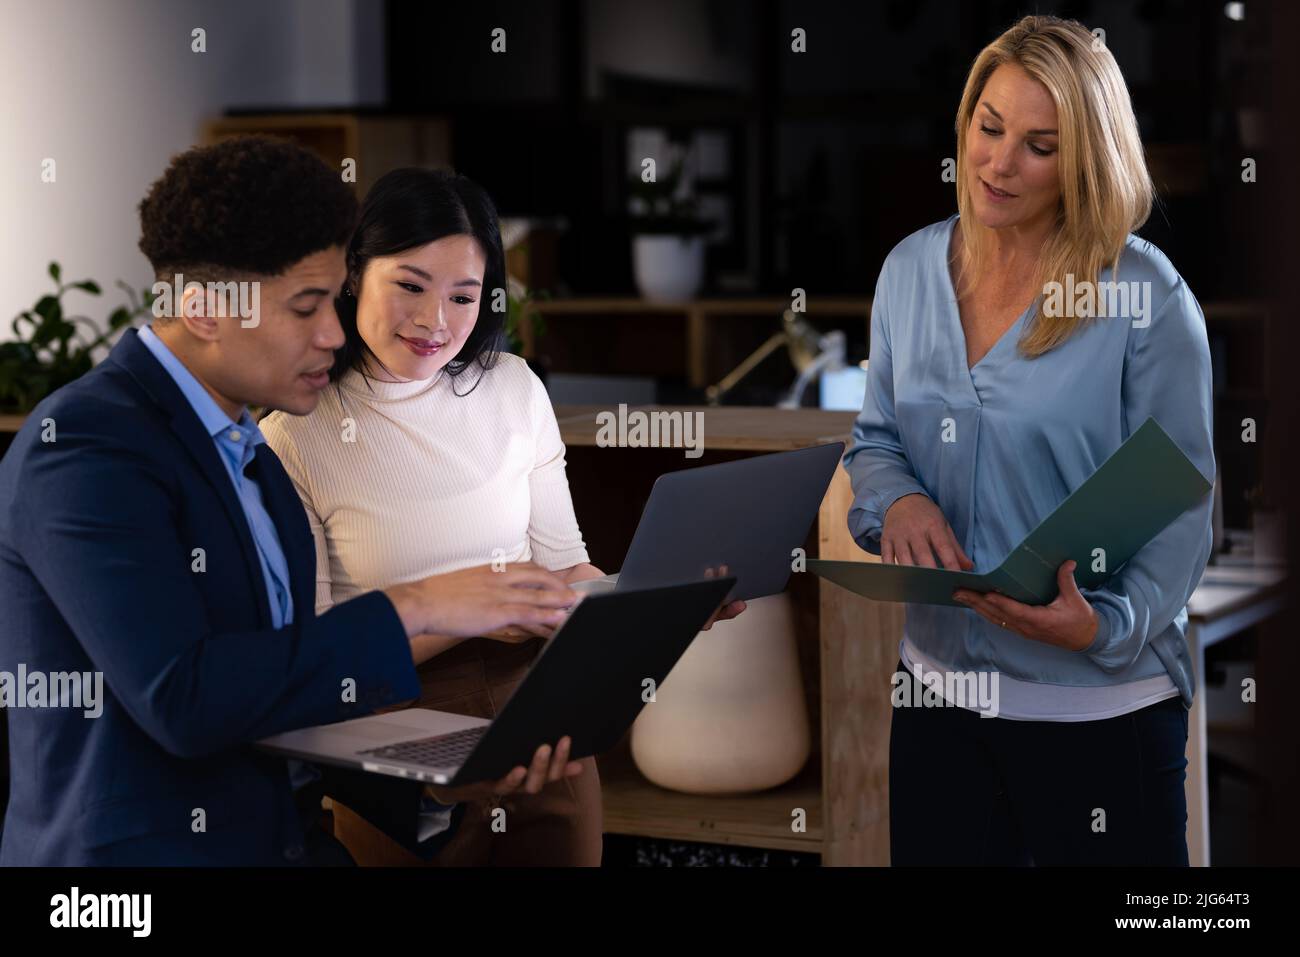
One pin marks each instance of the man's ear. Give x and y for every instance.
(193, 312)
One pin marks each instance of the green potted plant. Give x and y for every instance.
(520, 314)
(51, 349)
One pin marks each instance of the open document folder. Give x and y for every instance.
(1146, 484)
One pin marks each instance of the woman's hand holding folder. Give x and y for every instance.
(1068, 622)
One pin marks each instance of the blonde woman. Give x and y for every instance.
(992, 394)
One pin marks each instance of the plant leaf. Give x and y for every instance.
(48, 307)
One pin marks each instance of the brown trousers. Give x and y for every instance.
(560, 825)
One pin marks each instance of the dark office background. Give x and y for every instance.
(833, 156)
(837, 152)
(823, 161)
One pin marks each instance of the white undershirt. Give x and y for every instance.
(1021, 700)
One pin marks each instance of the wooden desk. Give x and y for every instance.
(848, 647)
(1229, 599)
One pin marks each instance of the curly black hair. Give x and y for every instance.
(244, 205)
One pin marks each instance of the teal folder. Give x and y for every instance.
(1146, 484)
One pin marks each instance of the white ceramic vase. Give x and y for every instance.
(668, 269)
(731, 716)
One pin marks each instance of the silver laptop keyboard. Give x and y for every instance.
(439, 751)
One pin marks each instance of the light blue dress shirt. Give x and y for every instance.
(236, 443)
(997, 447)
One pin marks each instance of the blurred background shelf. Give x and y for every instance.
(636, 807)
(697, 341)
(378, 141)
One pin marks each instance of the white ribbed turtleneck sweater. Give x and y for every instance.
(402, 480)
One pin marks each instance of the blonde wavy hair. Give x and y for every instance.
(1106, 189)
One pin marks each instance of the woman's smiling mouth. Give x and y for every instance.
(997, 195)
(421, 347)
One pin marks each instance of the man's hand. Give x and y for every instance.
(481, 600)
(547, 767)
(1069, 622)
(575, 573)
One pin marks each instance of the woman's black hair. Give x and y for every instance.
(411, 207)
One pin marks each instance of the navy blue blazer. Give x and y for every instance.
(98, 572)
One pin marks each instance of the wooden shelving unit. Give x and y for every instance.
(378, 142)
(680, 339)
(634, 806)
(848, 649)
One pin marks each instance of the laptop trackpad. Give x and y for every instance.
(373, 731)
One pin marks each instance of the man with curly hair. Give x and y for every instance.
(155, 557)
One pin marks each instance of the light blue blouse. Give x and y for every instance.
(997, 447)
